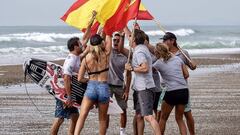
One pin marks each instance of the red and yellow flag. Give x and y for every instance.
(126, 12)
(112, 14)
(80, 13)
(143, 13)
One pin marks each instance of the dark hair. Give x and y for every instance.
(139, 36)
(72, 42)
(96, 40)
(169, 35)
(147, 37)
(175, 43)
(117, 34)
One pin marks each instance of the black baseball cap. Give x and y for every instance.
(169, 35)
(96, 40)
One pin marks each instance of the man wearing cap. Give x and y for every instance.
(171, 41)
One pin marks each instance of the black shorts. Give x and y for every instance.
(177, 97)
(156, 100)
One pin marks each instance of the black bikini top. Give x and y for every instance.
(96, 72)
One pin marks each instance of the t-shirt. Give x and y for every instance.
(156, 76)
(71, 64)
(142, 81)
(179, 54)
(116, 68)
(171, 72)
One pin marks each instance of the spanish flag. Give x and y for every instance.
(80, 13)
(143, 13)
(126, 12)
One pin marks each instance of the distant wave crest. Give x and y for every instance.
(178, 32)
(52, 37)
(210, 44)
(37, 37)
(33, 50)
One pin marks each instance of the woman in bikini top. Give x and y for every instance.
(96, 64)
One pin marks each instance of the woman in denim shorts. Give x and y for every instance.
(96, 65)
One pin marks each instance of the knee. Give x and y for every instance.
(188, 116)
(164, 116)
(149, 118)
(178, 117)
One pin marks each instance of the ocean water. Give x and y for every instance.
(18, 43)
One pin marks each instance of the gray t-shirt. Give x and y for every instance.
(116, 68)
(156, 76)
(142, 81)
(171, 72)
(179, 54)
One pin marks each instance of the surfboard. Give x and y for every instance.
(49, 76)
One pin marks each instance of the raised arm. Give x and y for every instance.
(108, 44)
(121, 48)
(127, 32)
(87, 33)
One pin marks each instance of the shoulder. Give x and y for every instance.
(178, 59)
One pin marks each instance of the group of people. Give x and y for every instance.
(113, 70)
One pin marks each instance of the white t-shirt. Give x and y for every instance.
(71, 64)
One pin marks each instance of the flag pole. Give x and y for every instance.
(131, 42)
(180, 49)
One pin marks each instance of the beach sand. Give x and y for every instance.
(214, 90)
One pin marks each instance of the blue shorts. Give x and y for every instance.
(61, 112)
(98, 91)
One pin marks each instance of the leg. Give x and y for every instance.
(85, 108)
(179, 111)
(158, 116)
(72, 124)
(108, 119)
(123, 121)
(153, 123)
(135, 124)
(102, 111)
(140, 124)
(166, 110)
(56, 125)
(190, 122)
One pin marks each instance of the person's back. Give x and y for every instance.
(97, 66)
(174, 74)
(171, 72)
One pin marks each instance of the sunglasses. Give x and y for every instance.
(116, 40)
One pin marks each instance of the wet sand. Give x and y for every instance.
(214, 89)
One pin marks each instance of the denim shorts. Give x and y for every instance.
(98, 91)
(61, 112)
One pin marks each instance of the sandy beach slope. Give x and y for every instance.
(214, 89)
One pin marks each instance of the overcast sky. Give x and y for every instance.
(169, 12)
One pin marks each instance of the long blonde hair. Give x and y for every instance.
(162, 51)
(96, 51)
